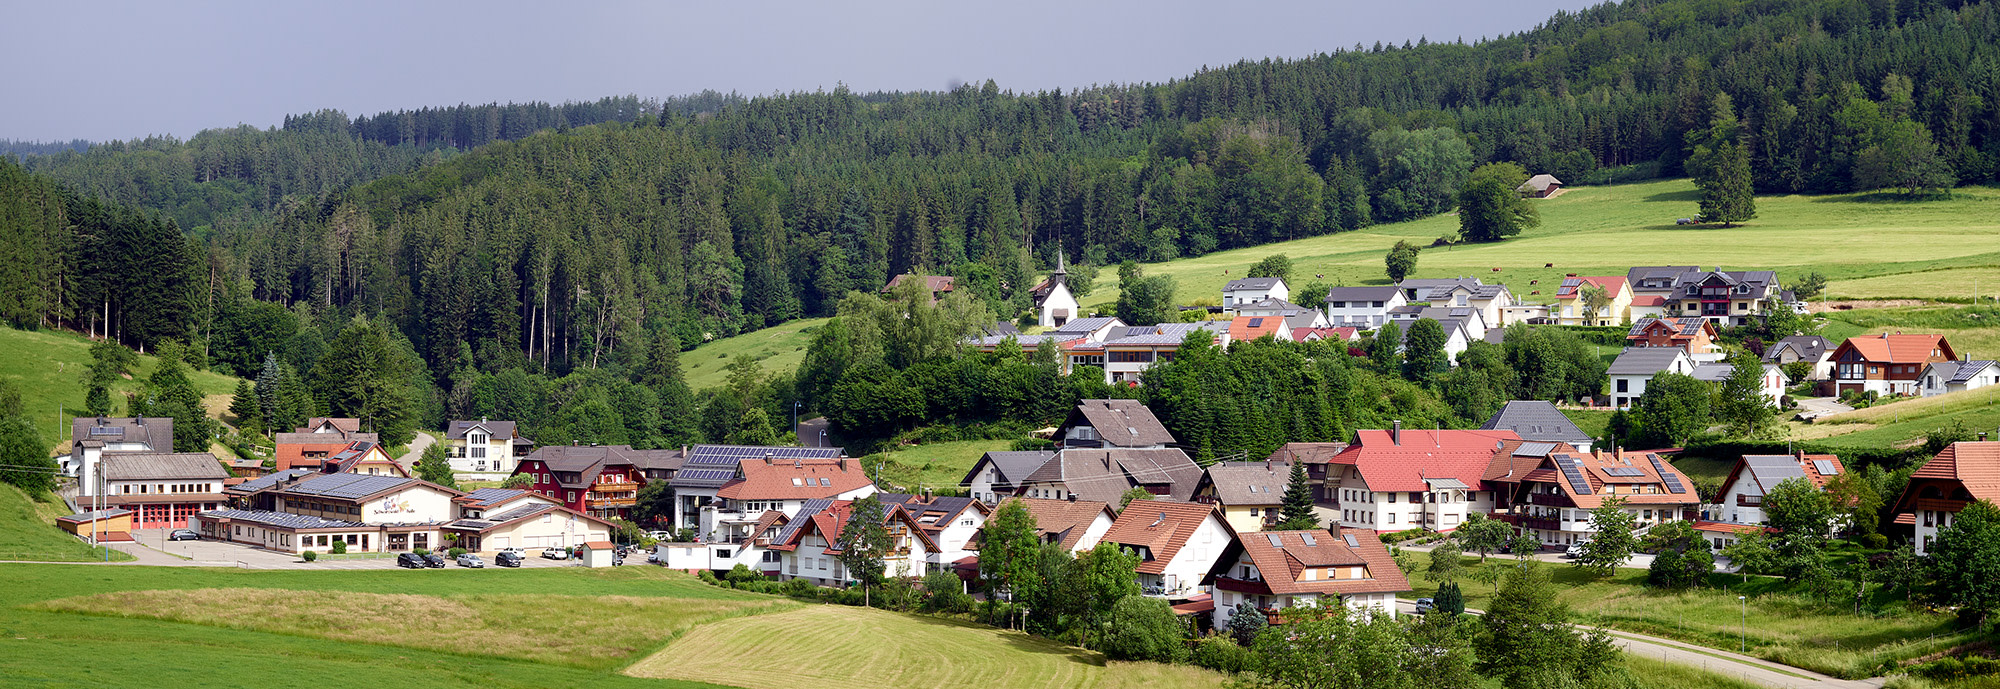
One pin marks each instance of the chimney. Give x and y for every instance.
(1396, 432)
(139, 420)
(768, 459)
(482, 419)
(1982, 436)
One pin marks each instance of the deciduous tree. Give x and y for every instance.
(1611, 540)
(1490, 208)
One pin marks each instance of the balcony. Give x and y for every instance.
(614, 487)
(1938, 505)
(609, 502)
(1550, 500)
(1542, 523)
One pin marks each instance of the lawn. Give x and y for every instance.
(860, 648)
(779, 348)
(936, 466)
(1962, 283)
(1605, 230)
(28, 531)
(1776, 624)
(49, 368)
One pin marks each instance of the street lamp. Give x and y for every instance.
(1742, 625)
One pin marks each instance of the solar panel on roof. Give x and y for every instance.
(1256, 322)
(1573, 471)
(1624, 471)
(1351, 543)
(1826, 467)
(1673, 482)
(1276, 542)
(1533, 449)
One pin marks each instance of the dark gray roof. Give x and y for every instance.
(1013, 467)
(1769, 470)
(710, 466)
(1958, 372)
(348, 486)
(148, 466)
(1809, 347)
(156, 433)
(1251, 283)
(270, 480)
(283, 520)
(1644, 361)
(1119, 423)
(1285, 308)
(456, 430)
(1425, 289)
(1248, 483)
(1104, 475)
(1536, 420)
(1668, 273)
(521, 512)
(1084, 325)
(490, 496)
(1369, 294)
(1164, 333)
(1713, 371)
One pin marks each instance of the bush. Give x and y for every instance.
(741, 574)
(340, 547)
(1221, 654)
(708, 577)
(1144, 629)
(309, 555)
(421, 551)
(1400, 536)
(455, 552)
(945, 593)
(1875, 541)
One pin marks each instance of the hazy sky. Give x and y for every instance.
(105, 70)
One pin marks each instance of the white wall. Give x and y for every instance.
(419, 503)
(1059, 298)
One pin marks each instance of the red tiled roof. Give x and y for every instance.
(600, 545)
(1161, 526)
(803, 479)
(1975, 465)
(1897, 349)
(1247, 328)
(934, 283)
(1726, 527)
(1063, 519)
(1199, 604)
(1281, 565)
(1387, 465)
(1649, 300)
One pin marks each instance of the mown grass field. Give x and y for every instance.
(937, 466)
(28, 531)
(779, 348)
(1982, 283)
(49, 367)
(1776, 624)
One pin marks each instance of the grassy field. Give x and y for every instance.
(778, 348)
(1982, 283)
(1605, 230)
(873, 648)
(1780, 626)
(28, 531)
(49, 368)
(937, 466)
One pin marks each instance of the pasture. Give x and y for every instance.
(936, 466)
(50, 367)
(778, 348)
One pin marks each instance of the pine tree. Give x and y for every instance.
(435, 466)
(1298, 506)
(245, 407)
(1720, 164)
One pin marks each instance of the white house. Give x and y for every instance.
(1134, 349)
(1362, 307)
(1741, 500)
(1273, 570)
(951, 523)
(1488, 300)
(1396, 479)
(1944, 377)
(809, 544)
(1076, 525)
(1770, 384)
(1809, 348)
(1253, 290)
(767, 484)
(1947, 484)
(1637, 365)
(1462, 325)
(484, 450)
(1053, 300)
(1178, 544)
(92, 436)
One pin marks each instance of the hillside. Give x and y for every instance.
(28, 531)
(49, 367)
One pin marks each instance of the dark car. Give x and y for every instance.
(183, 535)
(434, 561)
(506, 559)
(411, 561)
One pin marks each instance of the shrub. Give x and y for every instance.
(421, 551)
(1144, 629)
(1875, 541)
(945, 593)
(1221, 654)
(340, 547)
(455, 552)
(309, 555)
(799, 587)
(707, 577)
(1246, 623)
(741, 574)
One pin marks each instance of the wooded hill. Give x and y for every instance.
(587, 247)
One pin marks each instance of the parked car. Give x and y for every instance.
(555, 553)
(516, 551)
(471, 560)
(1574, 551)
(507, 559)
(411, 561)
(433, 561)
(183, 535)
(661, 535)
(653, 558)
(1425, 605)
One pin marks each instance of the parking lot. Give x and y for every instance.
(152, 548)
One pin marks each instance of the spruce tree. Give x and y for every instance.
(435, 466)
(1298, 506)
(245, 407)
(1720, 164)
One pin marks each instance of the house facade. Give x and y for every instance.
(809, 546)
(602, 481)
(1571, 308)
(485, 450)
(707, 468)
(1770, 379)
(1696, 336)
(163, 490)
(91, 437)
(1490, 301)
(1075, 525)
(1363, 307)
(1944, 486)
(1808, 348)
(1726, 297)
(1947, 377)
(1397, 479)
(309, 446)
(1274, 570)
(998, 475)
(1250, 494)
(1550, 491)
(1636, 366)
(368, 513)
(1316, 457)
(951, 522)
(1129, 353)
(1887, 364)
(1252, 290)
(769, 484)
(1178, 544)
(1741, 500)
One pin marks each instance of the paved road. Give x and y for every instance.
(409, 459)
(150, 550)
(1736, 665)
(1821, 406)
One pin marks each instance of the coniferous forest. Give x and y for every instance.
(607, 237)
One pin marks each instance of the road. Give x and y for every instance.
(1821, 406)
(1736, 665)
(151, 550)
(409, 459)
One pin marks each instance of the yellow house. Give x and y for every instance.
(1570, 307)
(1251, 494)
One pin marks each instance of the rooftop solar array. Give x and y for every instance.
(518, 512)
(1770, 469)
(1673, 481)
(806, 512)
(1534, 449)
(281, 519)
(1826, 467)
(1573, 471)
(492, 495)
(1624, 471)
(269, 480)
(348, 486)
(108, 430)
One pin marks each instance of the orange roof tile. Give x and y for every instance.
(1389, 465)
(1064, 520)
(1247, 328)
(1897, 349)
(1161, 526)
(1281, 565)
(800, 479)
(1975, 465)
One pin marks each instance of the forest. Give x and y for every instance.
(605, 238)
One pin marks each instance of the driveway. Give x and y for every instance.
(151, 549)
(417, 445)
(1814, 407)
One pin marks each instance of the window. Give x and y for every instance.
(1378, 304)
(1624, 385)
(1392, 517)
(1336, 305)
(479, 452)
(572, 495)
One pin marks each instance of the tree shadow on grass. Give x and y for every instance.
(1021, 642)
(1684, 195)
(1886, 197)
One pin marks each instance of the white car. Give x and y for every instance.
(1574, 551)
(555, 553)
(661, 535)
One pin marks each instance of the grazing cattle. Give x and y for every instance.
(1548, 265)
(1535, 292)
(1496, 270)
(1534, 282)
(1317, 275)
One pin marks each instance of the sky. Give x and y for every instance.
(119, 70)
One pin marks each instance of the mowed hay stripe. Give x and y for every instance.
(839, 647)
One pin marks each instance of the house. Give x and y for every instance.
(1274, 570)
(1363, 307)
(950, 521)
(310, 445)
(98, 526)
(1397, 479)
(1944, 486)
(809, 545)
(1080, 340)
(1537, 421)
(998, 474)
(1808, 348)
(1571, 306)
(935, 285)
(1054, 302)
(1726, 297)
(767, 483)
(1540, 187)
(1550, 489)
(707, 468)
(1280, 308)
(1656, 280)
(260, 493)
(1253, 290)
(311, 511)
(91, 437)
(485, 450)
(1461, 326)
(1113, 423)
(361, 457)
(490, 519)
(163, 489)
(1724, 534)
(1636, 365)
(1647, 306)
(1463, 292)
(1250, 494)
(1316, 456)
(1133, 350)
(1532, 314)
(598, 480)
(1178, 544)
(1887, 364)
(1247, 328)
(754, 551)
(1741, 499)
(1695, 335)
(1770, 382)
(1076, 525)
(1335, 334)
(1103, 475)
(1957, 376)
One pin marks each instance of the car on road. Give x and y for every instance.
(471, 560)
(516, 551)
(667, 536)
(411, 561)
(433, 560)
(183, 535)
(507, 559)
(1425, 605)
(1574, 551)
(555, 553)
